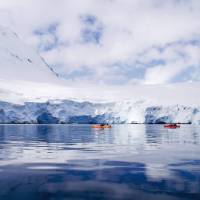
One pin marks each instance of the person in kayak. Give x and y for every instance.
(104, 124)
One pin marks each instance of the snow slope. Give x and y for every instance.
(20, 62)
(164, 95)
(31, 92)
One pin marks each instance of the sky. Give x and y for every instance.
(111, 42)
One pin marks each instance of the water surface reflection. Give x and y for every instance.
(77, 162)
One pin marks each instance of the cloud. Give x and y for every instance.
(112, 41)
(178, 61)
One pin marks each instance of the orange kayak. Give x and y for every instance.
(172, 126)
(101, 126)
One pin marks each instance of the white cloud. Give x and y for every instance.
(162, 73)
(175, 59)
(130, 28)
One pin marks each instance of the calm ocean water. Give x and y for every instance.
(144, 162)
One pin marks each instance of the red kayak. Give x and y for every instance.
(101, 126)
(172, 126)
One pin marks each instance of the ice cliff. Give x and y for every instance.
(85, 112)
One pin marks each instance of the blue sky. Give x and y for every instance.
(118, 42)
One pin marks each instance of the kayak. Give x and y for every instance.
(101, 126)
(172, 126)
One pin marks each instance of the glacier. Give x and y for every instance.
(68, 112)
(32, 92)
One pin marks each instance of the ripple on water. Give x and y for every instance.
(125, 162)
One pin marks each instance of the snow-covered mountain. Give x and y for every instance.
(31, 92)
(20, 62)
